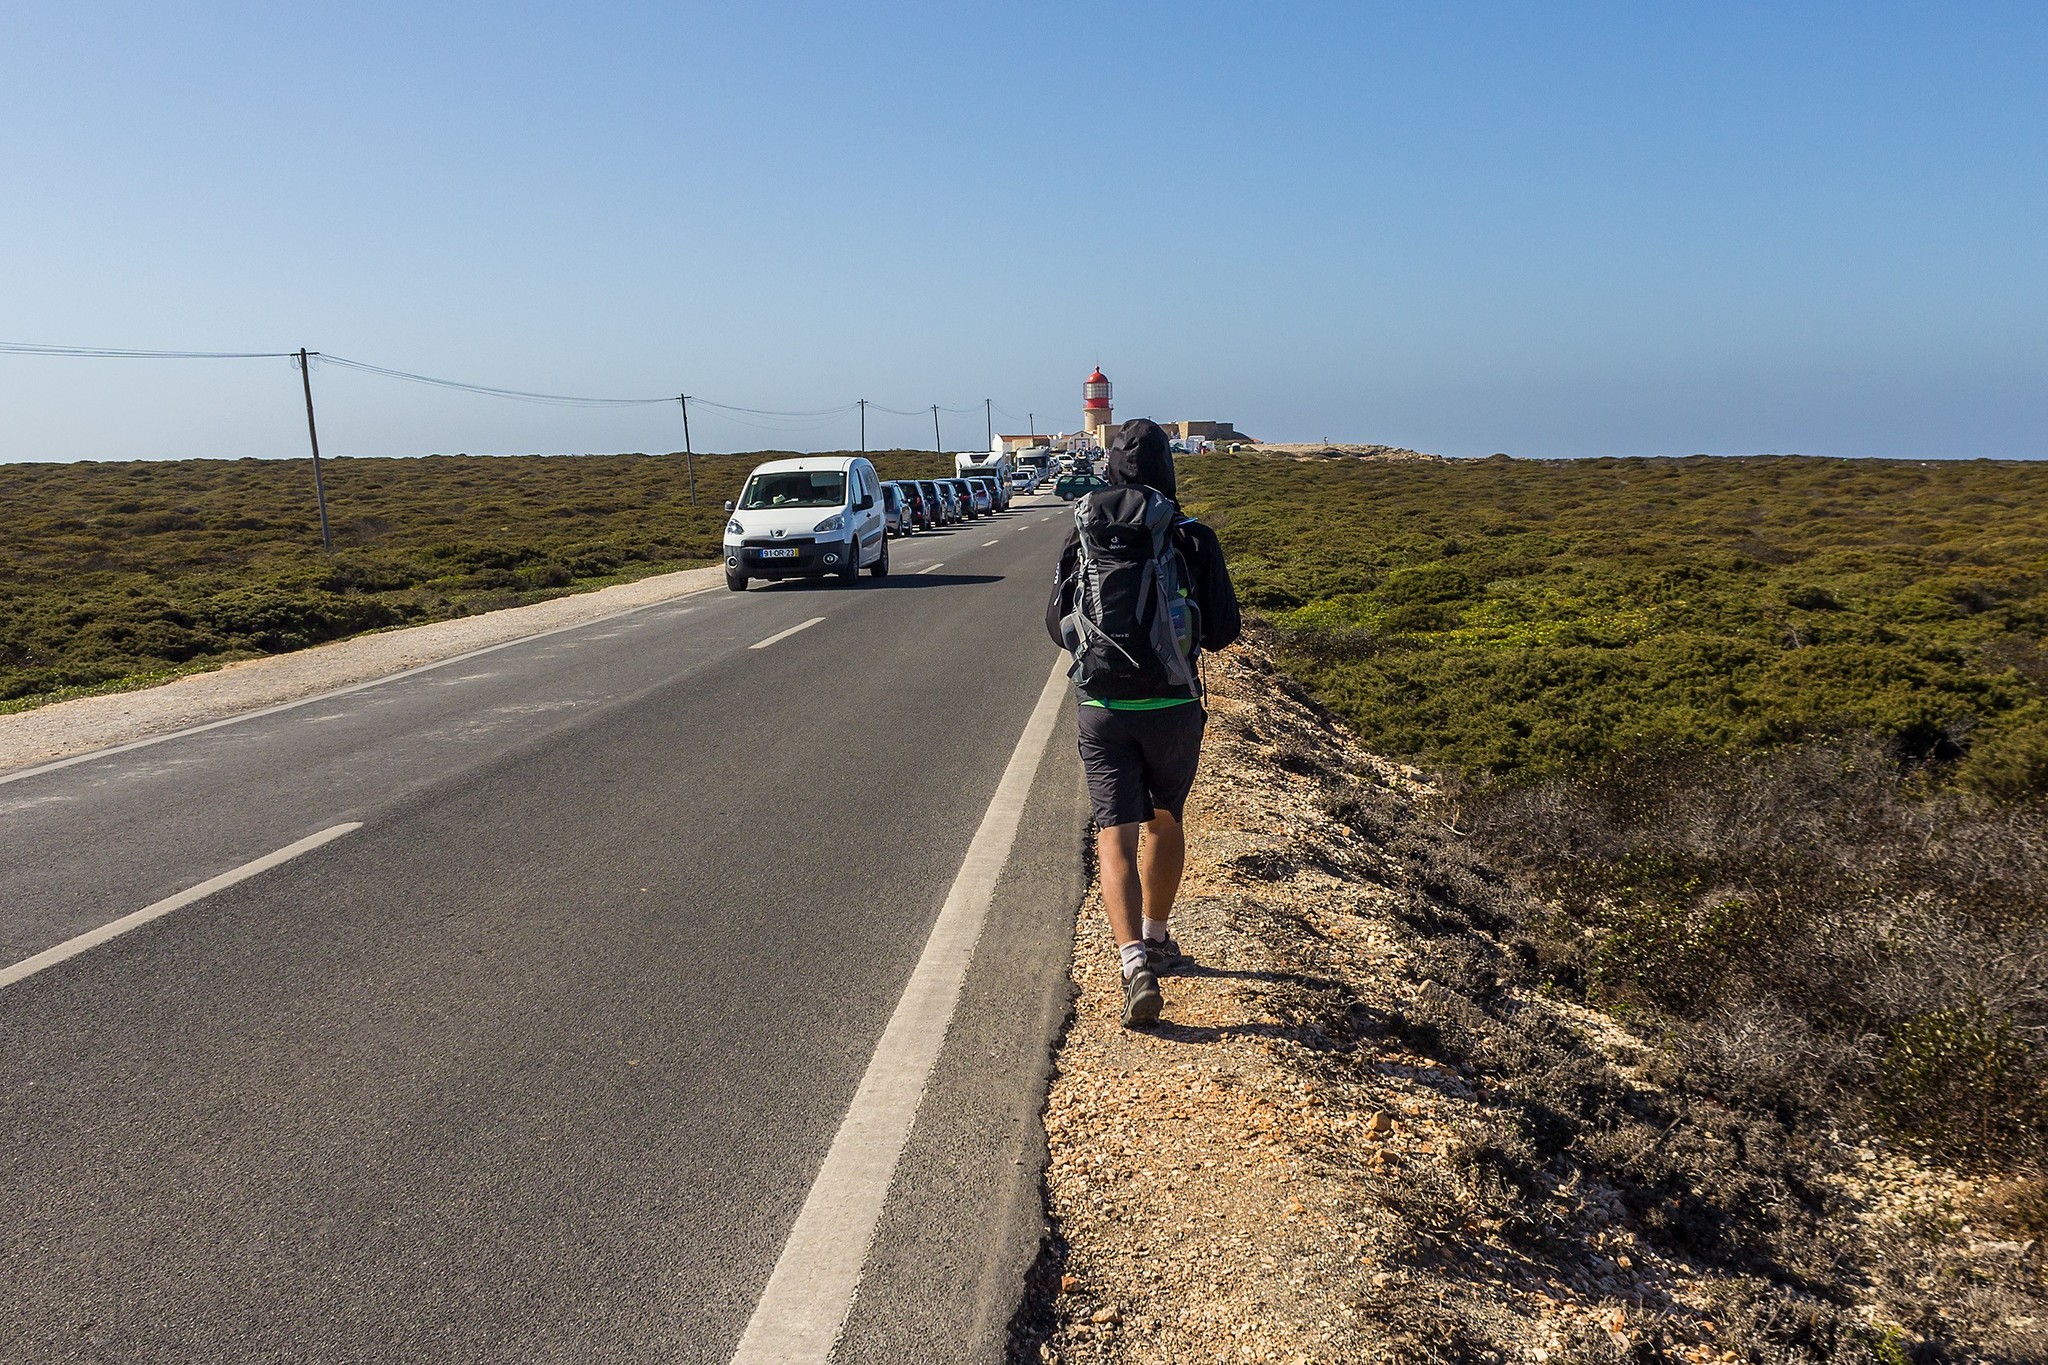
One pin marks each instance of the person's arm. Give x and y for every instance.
(1214, 593)
(1062, 600)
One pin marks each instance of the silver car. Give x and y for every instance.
(895, 511)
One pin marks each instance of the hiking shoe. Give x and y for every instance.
(1164, 955)
(1141, 999)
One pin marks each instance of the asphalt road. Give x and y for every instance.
(541, 1061)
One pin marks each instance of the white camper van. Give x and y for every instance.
(994, 467)
(805, 518)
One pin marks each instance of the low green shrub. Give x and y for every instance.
(1517, 618)
(1963, 1078)
(1765, 741)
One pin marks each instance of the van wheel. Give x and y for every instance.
(880, 568)
(851, 573)
(736, 581)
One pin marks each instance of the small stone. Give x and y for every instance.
(1069, 1283)
(1379, 1124)
(1105, 1315)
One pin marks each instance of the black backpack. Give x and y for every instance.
(1132, 631)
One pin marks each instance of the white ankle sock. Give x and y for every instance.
(1155, 929)
(1133, 955)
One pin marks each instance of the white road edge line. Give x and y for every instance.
(329, 695)
(92, 938)
(801, 1312)
(785, 634)
(929, 567)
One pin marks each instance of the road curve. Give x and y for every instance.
(541, 1060)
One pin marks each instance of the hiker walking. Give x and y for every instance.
(1141, 591)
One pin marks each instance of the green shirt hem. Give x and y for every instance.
(1141, 703)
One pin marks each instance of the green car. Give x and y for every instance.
(1074, 485)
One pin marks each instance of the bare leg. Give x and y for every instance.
(1161, 859)
(1116, 853)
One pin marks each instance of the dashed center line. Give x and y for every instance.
(785, 634)
(92, 938)
(929, 567)
(986, 543)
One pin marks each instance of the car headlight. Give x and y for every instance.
(835, 522)
(733, 527)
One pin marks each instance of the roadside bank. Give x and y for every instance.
(1365, 1132)
(84, 724)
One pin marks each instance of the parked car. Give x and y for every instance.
(895, 511)
(920, 510)
(945, 511)
(804, 518)
(998, 491)
(974, 497)
(1078, 484)
(963, 506)
(934, 508)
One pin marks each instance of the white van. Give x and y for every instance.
(804, 518)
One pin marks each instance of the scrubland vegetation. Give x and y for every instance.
(112, 574)
(1763, 742)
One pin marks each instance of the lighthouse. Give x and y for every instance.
(1095, 408)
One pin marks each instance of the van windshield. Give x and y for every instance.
(795, 488)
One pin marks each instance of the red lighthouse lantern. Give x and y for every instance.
(1095, 393)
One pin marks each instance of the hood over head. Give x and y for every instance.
(1140, 453)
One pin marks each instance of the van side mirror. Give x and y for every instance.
(867, 500)
(728, 505)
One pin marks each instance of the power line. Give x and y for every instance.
(115, 353)
(767, 419)
(518, 395)
(839, 411)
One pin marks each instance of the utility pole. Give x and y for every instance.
(313, 434)
(937, 444)
(1032, 418)
(689, 456)
(988, 411)
(863, 426)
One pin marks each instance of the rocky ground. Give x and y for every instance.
(1363, 1133)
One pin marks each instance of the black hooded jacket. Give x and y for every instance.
(1140, 454)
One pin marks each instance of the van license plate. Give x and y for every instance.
(780, 552)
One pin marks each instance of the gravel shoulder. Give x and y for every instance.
(1362, 1134)
(83, 724)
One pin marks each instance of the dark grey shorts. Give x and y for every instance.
(1138, 762)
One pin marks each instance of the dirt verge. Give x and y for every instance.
(1366, 1132)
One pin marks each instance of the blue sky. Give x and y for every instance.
(1549, 229)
